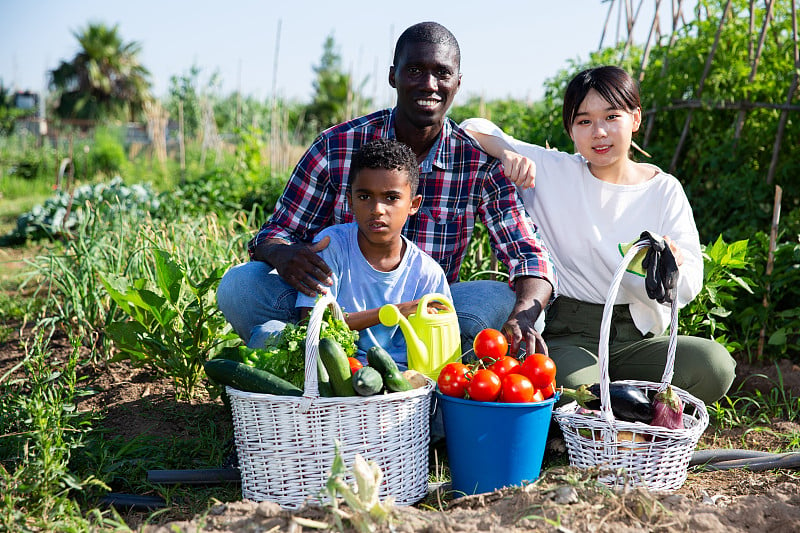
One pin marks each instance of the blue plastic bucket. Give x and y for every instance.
(491, 445)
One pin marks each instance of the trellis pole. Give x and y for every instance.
(673, 165)
(648, 45)
(756, 58)
(677, 11)
(773, 237)
(773, 164)
(605, 26)
(631, 22)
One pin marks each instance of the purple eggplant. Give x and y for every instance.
(668, 409)
(628, 403)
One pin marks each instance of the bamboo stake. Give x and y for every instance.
(776, 148)
(632, 18)
(181, 142)
(648, 45)
(677, 8)
(754, 68)
(605, 26)
(773, 237)
(702, 82)
(274, 147)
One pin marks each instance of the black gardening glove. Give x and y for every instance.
(661, 281)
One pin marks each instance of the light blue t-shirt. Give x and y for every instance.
(357, 286)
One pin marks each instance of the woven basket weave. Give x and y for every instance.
(661, 461)
(286, 448)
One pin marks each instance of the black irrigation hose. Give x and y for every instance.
(201, 476)
(133, 502)
(755, 461)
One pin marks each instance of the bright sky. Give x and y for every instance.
(508, 48)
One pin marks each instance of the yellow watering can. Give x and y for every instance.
(433, 338)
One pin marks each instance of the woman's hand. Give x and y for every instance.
(676, 251)
(518, 168)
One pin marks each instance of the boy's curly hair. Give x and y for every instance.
(389, 154)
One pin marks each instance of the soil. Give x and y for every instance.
(564, 499)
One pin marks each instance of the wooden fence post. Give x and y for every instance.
(773, 237)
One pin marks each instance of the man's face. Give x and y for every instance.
(426, 77)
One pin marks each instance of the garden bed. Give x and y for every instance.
(135, 404)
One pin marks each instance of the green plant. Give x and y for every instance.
(66, 210)
(40, 430)
(707, 314)
(176, 325)
(365, 512)
(769, 318)
(106, 154)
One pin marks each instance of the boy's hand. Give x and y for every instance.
(301, 267)
(409, 308)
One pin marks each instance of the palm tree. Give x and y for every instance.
(104, 79)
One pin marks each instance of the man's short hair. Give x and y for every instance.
(427, 32)
(388, 154)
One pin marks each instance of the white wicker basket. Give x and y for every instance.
(285, 444)
(659, 463)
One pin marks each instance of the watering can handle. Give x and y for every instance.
(422, 308)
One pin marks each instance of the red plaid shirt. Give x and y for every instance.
(458, 182)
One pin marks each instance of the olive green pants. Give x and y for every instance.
(703, 367)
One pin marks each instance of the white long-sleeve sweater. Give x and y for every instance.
(583, 221)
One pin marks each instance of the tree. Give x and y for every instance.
(335, 98)
(105, 79)
(189, 91)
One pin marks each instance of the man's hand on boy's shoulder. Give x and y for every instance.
(298, 264)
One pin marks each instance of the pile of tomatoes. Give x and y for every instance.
(497, 376)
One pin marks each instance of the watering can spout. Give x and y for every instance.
(390, 315)
(432, 337)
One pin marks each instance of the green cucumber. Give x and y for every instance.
(331, 354)
(323, 381)
(246, 378)
(395, 381)
(367, 381)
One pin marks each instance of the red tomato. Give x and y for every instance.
(540, 369)
(504, 366)
(538, 396)
(484, 386)
(549, 391)
(355, 364)
(490, 343)
(453, 379)
(517, 389)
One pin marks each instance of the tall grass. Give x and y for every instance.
(66, 274)
(40, 430)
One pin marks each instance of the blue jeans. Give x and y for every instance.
(258, 303)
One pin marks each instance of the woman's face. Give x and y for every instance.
(602, 133)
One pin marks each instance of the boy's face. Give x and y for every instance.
(381, 202)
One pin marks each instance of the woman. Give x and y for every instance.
(587, 206)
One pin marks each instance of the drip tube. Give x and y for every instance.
(201, 476)
(755, 461)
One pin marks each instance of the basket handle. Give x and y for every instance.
(311, 385)
(605, 329)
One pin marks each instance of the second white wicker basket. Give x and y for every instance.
(633, 453)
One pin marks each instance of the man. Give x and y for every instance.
(457, 181)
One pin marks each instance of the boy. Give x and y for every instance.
(372, 263)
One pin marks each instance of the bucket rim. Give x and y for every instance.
(496, 405)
